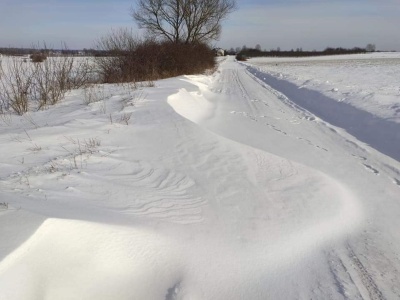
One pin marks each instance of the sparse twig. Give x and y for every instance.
(16, 83)
(6, 118)
(29, 118)
(35, 148)
(139, 96)
(94, 93)
(29, 137)
(88, 147)
(125, 118)
(103, 106)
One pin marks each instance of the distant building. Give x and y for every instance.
(219, 52)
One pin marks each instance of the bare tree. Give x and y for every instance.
(118, 61)
(370, 48)
(186, 21)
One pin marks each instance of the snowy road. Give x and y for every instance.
(245, 109)
(219, 188)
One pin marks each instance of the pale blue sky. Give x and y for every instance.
(310, 24)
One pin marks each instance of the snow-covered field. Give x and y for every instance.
(230, 186)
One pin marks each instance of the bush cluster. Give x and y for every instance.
(155, 60)
(121, 57)
(38, 57)
(126, 58)
(241, 57)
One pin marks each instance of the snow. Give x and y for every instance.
(366, 81)
(205, 187)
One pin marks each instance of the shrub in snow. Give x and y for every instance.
(127, 58)
(241, 57)
(24, 85)
(38, 57)
(16, 83)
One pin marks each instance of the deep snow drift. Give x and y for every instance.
(202, 187)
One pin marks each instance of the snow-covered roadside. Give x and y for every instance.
(369, 82)
(203, 187)
(359, 93)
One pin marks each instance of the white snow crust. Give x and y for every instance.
(208, 187)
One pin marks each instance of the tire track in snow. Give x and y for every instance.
(342, 278)
(310, 117)
(371, 169)
(252, 104)
(244, 94)
(365, 278)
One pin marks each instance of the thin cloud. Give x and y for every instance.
(314, 25)
(310, 24)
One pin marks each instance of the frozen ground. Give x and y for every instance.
(202, 187)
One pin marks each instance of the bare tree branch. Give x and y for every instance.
(187, 21)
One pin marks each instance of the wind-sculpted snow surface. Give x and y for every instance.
(320, 207)
(202, 187)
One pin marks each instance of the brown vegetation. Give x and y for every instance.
(38, 57)
(128, 58)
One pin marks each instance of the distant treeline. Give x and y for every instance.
(49, 52)
(250, 52)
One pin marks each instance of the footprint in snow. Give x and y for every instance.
(280, 131)
(295, 122)
(371, 169)
(265, 103)
(359, 157)
(333, 130)
(312, 144)
(308, 118)
(322, 148)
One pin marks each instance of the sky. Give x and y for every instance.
(287, 24)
